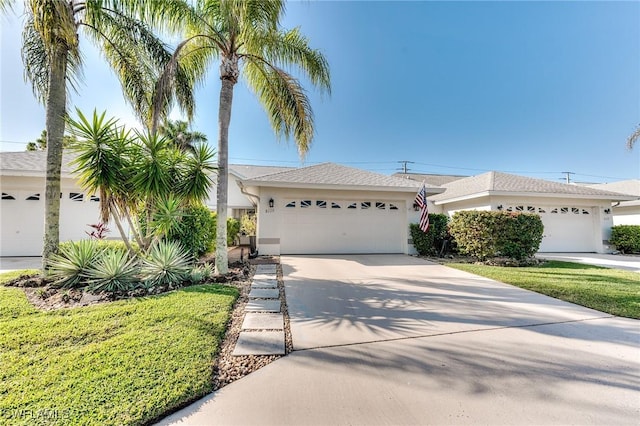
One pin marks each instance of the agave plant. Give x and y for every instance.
(113, 272)
(200, 273)
(68, 268)
(166, 264)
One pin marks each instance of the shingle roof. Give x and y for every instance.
(630, 187)
(31, 163)
(248, 171)
(504, 183)
(330, 175)
(430, 179)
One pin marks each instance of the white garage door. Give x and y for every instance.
(567, 229)
(342, 226)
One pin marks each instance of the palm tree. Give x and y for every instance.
(53, 61)
(633, 138)
(179, 134)
(246, 38)
(140, 169)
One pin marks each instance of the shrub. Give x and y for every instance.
(167, 264)
(200, 273)
(68, 267)
(104, 245)
(484, 234)
(431, 242)
(626, 238)
(233, 228)
(113, 272)
(248, 225)
(197, 230)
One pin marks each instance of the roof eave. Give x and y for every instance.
(537, 195)
(300, 185)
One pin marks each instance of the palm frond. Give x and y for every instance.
(284, 100)
(633, 138)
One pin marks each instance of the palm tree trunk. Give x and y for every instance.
(55, 116)
(224, 118)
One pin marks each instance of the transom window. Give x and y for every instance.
(353, 206)
(380, 205)
(76, 196)
(6, 196)
(393, 206)
(33, 197)
(321, 204)
(365, 205)
(94, 198)
(335, 205)
(291, 204)
(305, 204)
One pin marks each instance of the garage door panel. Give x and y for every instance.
(320, 229)
(568, 229)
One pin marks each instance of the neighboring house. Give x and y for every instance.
(329, 208)
(22, 205)
(576, 218)
(430, 179)
(624, 212)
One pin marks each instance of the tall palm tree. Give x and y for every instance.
(53, 62)
(245, 37)
(633, 138)
(179, 134)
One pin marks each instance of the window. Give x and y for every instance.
(554, 210)
(353, 206)
(519, 208)
(564, 210)
(393, 206)
(335, 205)
(305, 204)
(6, 196)
(380, 205)
(575, 210)
(531, 209)
(365, 205)
(321, 204)
(509, 209)
(585, 211)
(76, 196)
(33, 197)
(94, 198)
(541, 210)
(291, 204)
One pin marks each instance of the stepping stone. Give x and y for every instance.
(263, 321)
(273, 283)
(264, 293)
(260, 343)
(258, 277)
(262, 269)
(263, 306)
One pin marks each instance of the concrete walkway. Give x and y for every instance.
(395, 340)
(614, 261)
(8, 264)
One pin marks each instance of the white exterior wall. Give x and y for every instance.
(271, 220)
(22, 221)
(236, 200)
(599, 230)
(626, 215)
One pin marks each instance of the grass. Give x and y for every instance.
(607, 290)
(126, 362)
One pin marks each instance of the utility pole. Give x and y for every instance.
(568, 177)
(404, 168)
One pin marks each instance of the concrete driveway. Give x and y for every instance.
(395, 340)
(614, 261)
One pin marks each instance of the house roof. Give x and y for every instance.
(248, 171)
(498, 183)
(31, 163)
(430, 179)
(629, 187)
(336, 176)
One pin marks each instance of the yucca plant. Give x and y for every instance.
(68, 267)
(167, 263)
(113, 272)
(200, 273)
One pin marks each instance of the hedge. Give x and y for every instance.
(430, 243)
(626, 238)
(486, 234)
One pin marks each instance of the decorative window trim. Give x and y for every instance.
(7, 196)
(290, 204)
(352, 206)
(365, 205)
(305, 204)
(335, 205)
(393, 206)
(321, 204)
(76, 196)
(94, 198)
(33, 197)
(381, 205)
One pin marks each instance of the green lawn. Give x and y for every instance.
(125, 362)
(607, 290)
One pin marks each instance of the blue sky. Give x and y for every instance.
(535, 88)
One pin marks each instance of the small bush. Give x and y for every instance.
(197, 230)
(200, 273)
(248, 225)
(167, 264)
(69, 266)
(485, 234)
(113, 272)
(233, 228)
(626, 238)
(431, 242)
